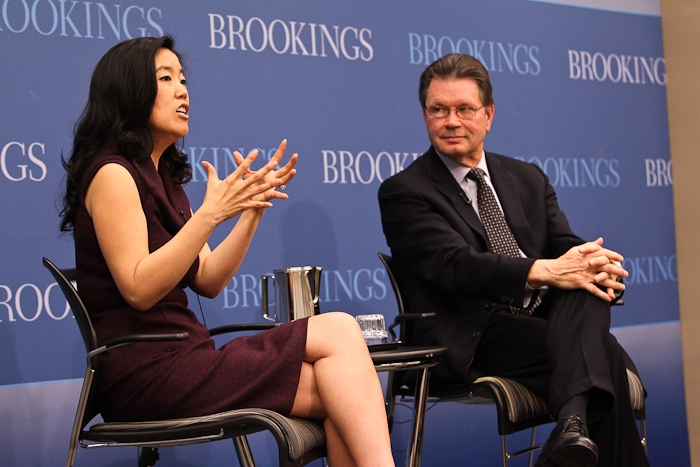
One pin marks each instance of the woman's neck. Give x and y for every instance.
(156, 155)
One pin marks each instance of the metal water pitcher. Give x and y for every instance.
(297, 292)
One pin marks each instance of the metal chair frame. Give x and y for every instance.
(299, 441)
(486, 390)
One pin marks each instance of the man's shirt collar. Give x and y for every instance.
(459, 171)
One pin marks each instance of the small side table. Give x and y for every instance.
(403, 358)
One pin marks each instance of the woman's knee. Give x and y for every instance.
(329, 333)
(335, 325)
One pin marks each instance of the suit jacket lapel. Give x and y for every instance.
(504, 181)
(447, 185)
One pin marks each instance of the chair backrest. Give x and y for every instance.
(389, 265)
(88, 396)
(63, 278)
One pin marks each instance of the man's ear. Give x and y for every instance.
(490, 110)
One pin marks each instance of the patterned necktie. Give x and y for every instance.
(500, 237)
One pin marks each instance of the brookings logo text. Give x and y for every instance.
(244, 290)
(659, 172)
(339, 166)
(364, 167)
(616, 68)
(651, 269)
(20, 161)
(289, 37)
(89, 20)
(29, 302)
(573, 172)
(221, 158)
(495, 56)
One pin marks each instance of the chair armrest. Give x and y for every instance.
(618, 295)
(180, 336)
(402, 318)
(119, 341)
(241, 327)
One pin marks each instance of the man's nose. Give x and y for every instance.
(452, 119)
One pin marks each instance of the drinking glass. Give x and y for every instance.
(373, 329)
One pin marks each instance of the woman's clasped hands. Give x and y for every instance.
(244, 188)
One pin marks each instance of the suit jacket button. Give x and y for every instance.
(476, 333)
(489, 306)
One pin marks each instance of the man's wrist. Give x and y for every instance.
(536, 277)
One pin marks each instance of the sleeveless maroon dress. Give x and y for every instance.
(151, 381)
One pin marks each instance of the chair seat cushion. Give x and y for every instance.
(637, 393)
(301, 435)
(522, 403)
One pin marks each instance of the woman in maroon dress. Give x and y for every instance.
(139, 244)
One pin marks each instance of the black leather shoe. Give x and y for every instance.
(569, 446)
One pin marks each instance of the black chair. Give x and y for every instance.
(517, 408)
(299, 441)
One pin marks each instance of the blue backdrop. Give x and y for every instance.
(579, 92)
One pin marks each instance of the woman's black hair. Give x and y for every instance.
(123, 90)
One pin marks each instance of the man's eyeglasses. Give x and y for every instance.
(463, 111)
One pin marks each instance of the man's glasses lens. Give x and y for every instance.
(462, 112)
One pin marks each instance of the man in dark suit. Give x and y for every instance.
(521, 297)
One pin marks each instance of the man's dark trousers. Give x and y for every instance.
(563, 350)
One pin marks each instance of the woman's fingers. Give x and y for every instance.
(249, 189)
(280, 151)
(238, 158)
(271, 164)
(211, 171)
(289, 166)
(243, 170)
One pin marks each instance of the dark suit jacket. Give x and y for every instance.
(439, 246)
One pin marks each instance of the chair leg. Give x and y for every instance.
(644, 436)
(72, 451)
(415, 442)
(148, 457)
(533, 439)
(390, 402)
(504, 451)
(245, 455)
(530, 450)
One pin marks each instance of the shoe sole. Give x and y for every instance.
(573, 456)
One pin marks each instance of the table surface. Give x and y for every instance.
(407, 353)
